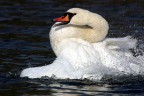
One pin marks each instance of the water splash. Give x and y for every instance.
(112, 57)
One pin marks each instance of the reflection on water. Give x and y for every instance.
(45, 87)
(24, 41)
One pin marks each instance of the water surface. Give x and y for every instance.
(24, 42)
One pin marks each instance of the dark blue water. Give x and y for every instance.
(24, 42)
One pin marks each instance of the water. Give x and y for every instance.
(24, 42)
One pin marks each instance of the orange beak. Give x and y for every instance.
(62, 19)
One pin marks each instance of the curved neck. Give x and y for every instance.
(99, 25)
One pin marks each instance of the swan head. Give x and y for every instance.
(81, 18)
(78, 16)
(75, 16)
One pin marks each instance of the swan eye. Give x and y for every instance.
(69, 14)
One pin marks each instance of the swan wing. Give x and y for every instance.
(79, 52)
(77, 60)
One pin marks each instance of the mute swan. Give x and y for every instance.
(78, 40)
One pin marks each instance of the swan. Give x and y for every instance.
(78, 38)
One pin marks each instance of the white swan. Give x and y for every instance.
(78, 40)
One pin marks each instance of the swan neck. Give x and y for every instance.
(98, 23)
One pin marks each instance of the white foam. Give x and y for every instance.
(80, 59)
